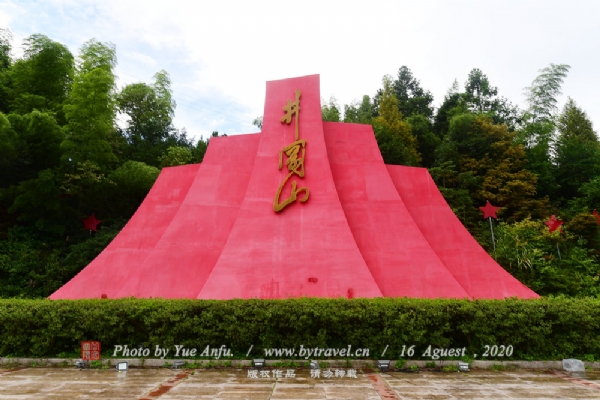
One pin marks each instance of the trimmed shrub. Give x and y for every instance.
(551, 328)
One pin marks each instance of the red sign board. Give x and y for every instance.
(90, 350)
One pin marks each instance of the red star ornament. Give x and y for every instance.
(489, 210)
(91, 223)
(553, 224)
(597, 216)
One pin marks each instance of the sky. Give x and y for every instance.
(219, 54)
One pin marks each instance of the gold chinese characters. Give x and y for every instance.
(295, 152)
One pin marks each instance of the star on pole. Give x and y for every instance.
(91, 223)
(553, 224)
(489, 210)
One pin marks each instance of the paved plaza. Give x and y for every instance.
(166, 384)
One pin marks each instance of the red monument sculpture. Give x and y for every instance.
(303, 208)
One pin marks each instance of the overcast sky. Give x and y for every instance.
(219, 54)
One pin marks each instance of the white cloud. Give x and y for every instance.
(219, 54)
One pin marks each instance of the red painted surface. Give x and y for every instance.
(273, 255)
(209, 231)
(470, 265)
(399, 257)
(185, 255)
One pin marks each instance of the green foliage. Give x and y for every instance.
(90, 109)
(31, 266)
(150, 109)
(199, 150)
(330, 111)
(540, 329)
(38, 203)
(412, 99)
(42, 78)
(577, 151)
(8, 145)
(359, 113)
(481, 98)
(132, 182)
(28, 268)
(428, 142)
(544, 90)
(5, 64)
(258, 122)
(590, 196)
(38, 142)
(394, 137)
(176, 155)
(531, 253)
(489, 165)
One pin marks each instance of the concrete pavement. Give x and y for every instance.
(235, 383)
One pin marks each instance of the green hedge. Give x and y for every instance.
(551, 328)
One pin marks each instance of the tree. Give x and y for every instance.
(38, 203)
(150, 109)
(589, 197)
(8, 146)
(132, 182)
(5, 63)
(330, 111)
(176, 155)
(542, 94)
(90, 109)
(479, 94)
(359, 113)
(412, 99)
(38, 142)
(577, 151)
(427, 141)
(43, 77)
(394, 137)
(453, 104)
(539, 125)
(489, 164)
(480, 97)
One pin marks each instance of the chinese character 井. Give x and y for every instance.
(292, 108)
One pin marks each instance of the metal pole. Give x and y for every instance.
(492, 230)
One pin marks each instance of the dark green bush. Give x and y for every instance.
(537, 329)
